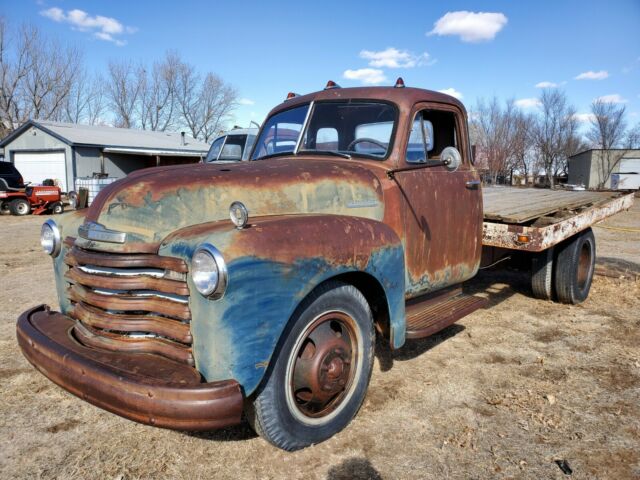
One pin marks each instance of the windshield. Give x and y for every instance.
(343, 128)
(214, 151)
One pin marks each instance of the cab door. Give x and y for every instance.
(442, 207)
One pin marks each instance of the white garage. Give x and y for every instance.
(36, 167)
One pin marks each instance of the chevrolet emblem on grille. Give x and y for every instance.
(99, 233)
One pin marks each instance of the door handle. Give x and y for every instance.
(472, 184)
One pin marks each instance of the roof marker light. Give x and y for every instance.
(291, 95)
(331, 84)
(399, 83)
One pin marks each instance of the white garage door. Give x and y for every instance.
(36, 167)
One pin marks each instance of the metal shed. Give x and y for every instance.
(66, 151)
(588, 167)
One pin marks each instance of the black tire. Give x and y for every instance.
(20, 207)
(280, 412)
(575, 263)
(57, 208)
(5, 208)
(542, 274)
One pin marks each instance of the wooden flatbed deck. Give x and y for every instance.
(521, 205)
(535, 219)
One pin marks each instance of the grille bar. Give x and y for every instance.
(142, 282)
(162, 326)
(114, 342)
(78, 256)
(130, 303)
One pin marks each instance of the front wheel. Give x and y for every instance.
(320, 375)
(57, 208)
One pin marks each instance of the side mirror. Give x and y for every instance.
(451, 158)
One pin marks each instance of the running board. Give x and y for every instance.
(430, 315)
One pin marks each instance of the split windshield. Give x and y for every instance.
(343, 128)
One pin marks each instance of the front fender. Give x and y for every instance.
(273, 265)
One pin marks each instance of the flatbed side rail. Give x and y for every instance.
(511, 236)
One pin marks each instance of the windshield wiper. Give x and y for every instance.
(328, 152)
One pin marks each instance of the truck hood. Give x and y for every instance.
(150, 204)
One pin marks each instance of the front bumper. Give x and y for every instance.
(143, 387)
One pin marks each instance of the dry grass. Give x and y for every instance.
(502, 394)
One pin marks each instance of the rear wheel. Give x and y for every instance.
(542, 274)
(575, 263)
(20, 206)
(5, 208)
(320, 376)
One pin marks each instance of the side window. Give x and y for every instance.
(415, 148)
(431, 132)
(327, 139)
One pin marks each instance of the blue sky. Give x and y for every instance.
(266, 49)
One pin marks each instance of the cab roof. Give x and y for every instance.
(404, 97)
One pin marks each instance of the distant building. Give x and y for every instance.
(588, 168)
(65, 151)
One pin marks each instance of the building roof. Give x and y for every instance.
(602, 149)
(110, 137)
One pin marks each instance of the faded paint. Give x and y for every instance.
(151, 204)
(235, 337)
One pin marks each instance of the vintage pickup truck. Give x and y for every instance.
(191, 294)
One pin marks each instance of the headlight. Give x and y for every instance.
(50, 238)
(208, 271)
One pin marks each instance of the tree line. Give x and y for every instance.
(508, 139)
(42, 79)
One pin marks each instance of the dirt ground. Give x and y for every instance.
(505, 393)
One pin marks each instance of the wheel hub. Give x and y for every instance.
(324, 365)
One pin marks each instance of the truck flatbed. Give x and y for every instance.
(535, 219)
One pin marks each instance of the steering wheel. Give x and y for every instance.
(365, 139)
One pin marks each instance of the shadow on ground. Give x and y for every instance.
(356, 468)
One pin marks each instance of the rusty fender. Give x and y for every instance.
(272, 266)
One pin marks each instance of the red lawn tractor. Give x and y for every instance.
(34, 199)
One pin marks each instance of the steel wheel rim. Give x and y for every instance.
(584, 265)
(22, 208)
(323, 368)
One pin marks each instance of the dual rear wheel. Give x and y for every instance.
(566, 271)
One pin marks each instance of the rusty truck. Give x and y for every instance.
(190, 296)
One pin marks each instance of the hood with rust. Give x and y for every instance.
(150, 204)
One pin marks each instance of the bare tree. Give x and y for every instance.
(522, 144)
(204, 104)
(125, 83)
(493, 128)
(554, 132)
(607, 132)
(86, 101)
(158, 100)
(632, 139)
(51, 72)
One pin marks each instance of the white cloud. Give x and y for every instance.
(103, 28)
(546, 85)
(612, 98)
(54, 13)
(584, 117)
(246, 101)
(394, 58)
(528, 103)
(368, 76)
(453, 92)
(591, 75)
(470, 26)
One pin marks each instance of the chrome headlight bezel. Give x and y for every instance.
(56, 246)
(239, 215)
(216, 291)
